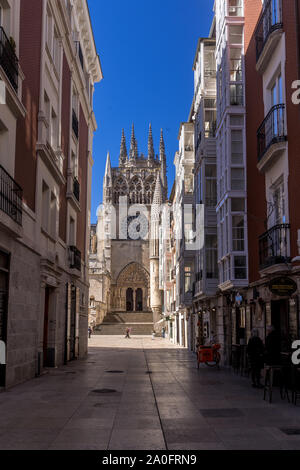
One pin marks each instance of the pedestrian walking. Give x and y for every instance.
(153, 334)
(90, 331)
(255, 352)
(127, 333)
(163, 332)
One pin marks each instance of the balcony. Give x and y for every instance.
(271, 136)
(75, 258)
(268, 32)
(75, 124)
(8, 59)
(10, 197)
(76, 188)
(274, 246)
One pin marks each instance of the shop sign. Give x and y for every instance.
(283, 286)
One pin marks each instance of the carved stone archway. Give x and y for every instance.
(137, 278)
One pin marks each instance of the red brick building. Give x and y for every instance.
(273, 168)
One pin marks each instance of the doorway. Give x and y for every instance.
(4, 274)
(46, 327)
(280, 321)
(240, 325)
(73, 323)
(139, 300)
(129, 300)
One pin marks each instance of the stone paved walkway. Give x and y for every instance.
(173, 407)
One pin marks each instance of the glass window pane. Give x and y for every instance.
(240, 271)
(237, 204)
(237, 179)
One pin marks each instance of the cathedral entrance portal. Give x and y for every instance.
(132, 290)
(139, 300)
(129, 300)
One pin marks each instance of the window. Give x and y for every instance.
(45, 206)
(54, 130)
(236, 95)
(211, 185)
(237, 179)
(236, 147)
(74, 165)
(49, 31)
(210, 123)
(236, 34)
(236, 74)
(238, 233)
(55, 51)
(236, 120)
(187, 279)
(72, 232)
(237, 204)
(211, 248)
(47, 114)
(240, 268)
(53, 212)
(235, 7)
(188, 233)
(278, 204)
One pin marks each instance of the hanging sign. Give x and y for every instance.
(283, 286)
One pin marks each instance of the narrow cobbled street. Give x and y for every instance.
(141, 393)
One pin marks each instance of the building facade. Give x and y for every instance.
(128, 229)
(272, 60)
(49, 67)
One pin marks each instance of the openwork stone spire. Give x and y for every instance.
(133, 154)
(107, 176)
(107, 182)
(163, 166)
(150, 145)
(162, 150)
(157, 199)
(123, 150)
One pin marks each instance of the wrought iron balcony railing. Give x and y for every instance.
(272, 130)
(75, 124)
(8, 59)
(274, 246)
(10, 196)
(76, 188)
(75, 258)
(270, 21)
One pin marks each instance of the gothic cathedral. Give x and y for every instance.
(124, 251)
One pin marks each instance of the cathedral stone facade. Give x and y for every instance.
(124, 247)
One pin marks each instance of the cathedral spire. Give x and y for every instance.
(150, 144)
(157, 199)
(163, 165)
(162, 151)
(123, 150)
(107, 175)
(107, 182)
(133, 154)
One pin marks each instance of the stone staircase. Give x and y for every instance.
(141, 323)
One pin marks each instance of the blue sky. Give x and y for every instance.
(146, 51)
